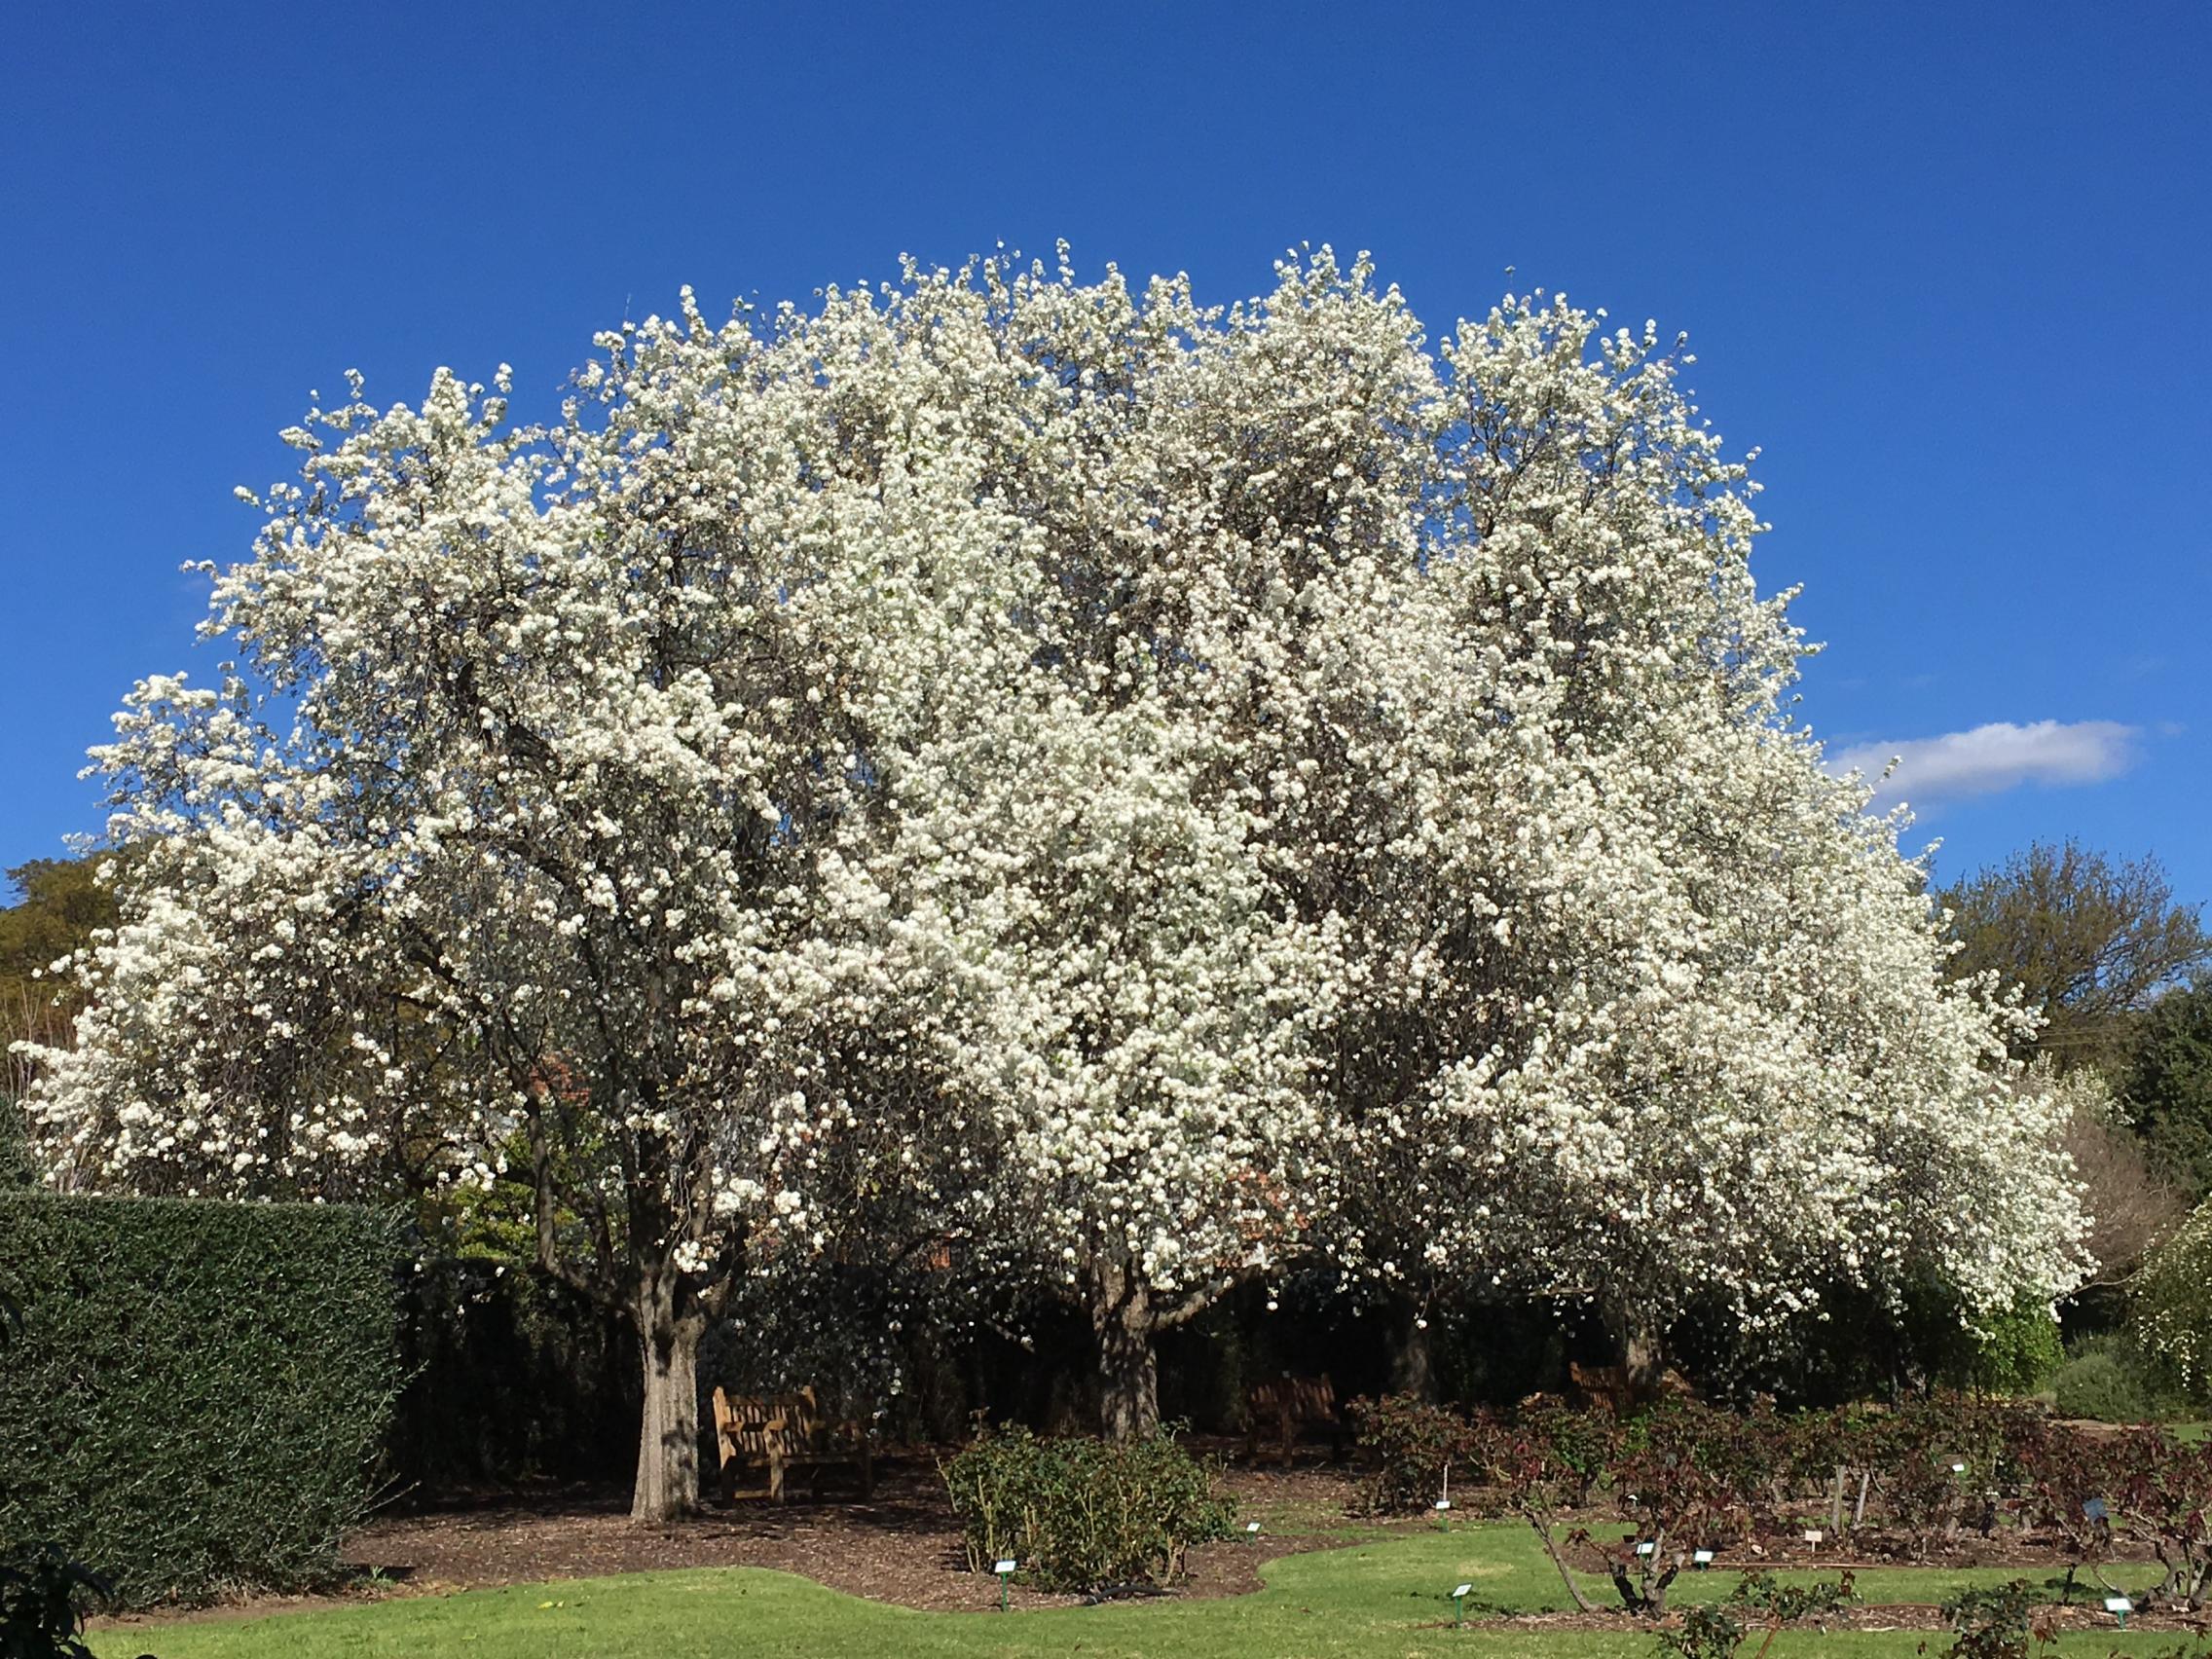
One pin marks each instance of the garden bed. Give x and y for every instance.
(902, 1547)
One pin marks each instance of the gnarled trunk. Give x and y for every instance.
(1128, 1372)
(667, 1487)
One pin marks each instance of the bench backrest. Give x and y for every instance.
(756, 1425)
(1293, 1399)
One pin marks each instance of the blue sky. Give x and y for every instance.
(1948, 265)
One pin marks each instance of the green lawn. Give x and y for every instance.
(1382, 1597)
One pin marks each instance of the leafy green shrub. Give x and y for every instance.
(198, 1391)
(1081, 1514)
(43, 1595)
(1412, 1447)
(2109, 1378)
(1711, 1632)
(2101, 1386)
(1997, 1623)
(2015, 1352)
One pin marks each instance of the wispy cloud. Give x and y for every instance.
(1991, 757)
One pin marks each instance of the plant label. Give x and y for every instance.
(1004, 1568)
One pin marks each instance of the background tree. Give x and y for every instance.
(2132, 1206)
(60, 903)
(2089, 942)
(2168, 1087)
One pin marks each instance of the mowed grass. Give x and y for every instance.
(1385, 1598)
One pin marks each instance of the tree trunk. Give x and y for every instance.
(1412, 1361)
(1643, 1350)
(1128, 1372)
(667, 1487)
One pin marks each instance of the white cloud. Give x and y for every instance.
(2001, 755)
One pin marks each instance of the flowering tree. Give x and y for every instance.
(1648, 1007)
(1062, 784)
(517, 848)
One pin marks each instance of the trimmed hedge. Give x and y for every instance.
(199, 1390)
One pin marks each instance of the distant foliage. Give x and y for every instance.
(2111, 1378)
(198, 1392)
(2172, 1298)
(1084, 1514)
(2015, 1352)
(2169, 1085)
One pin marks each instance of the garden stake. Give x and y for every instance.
(1004, 1571)
(1460, 1606)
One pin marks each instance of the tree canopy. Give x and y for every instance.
(1062, 784)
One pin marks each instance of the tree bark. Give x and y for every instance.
(1128, 1371)
(1643, 1349)
(1412, 1360)
(667, 1486)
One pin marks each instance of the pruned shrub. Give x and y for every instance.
(2161, 1498)
(1082, 1514)
(1689, 1477)
(1998, 1622)
(1411, 1450)
(1759, 1601)
(197, 1392)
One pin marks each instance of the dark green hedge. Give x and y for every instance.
(198, 1392)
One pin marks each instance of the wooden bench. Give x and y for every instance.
(1284, 1405)
(777, 1433)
